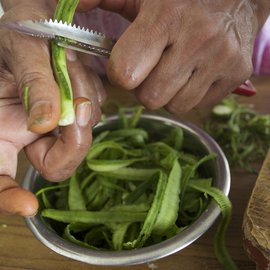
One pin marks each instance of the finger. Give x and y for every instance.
(56, 158)
(28, 60)
(217, 91)
(86, 84)
(177, 68)
(171, 74)
(208, 76)
(192, 93)
(16, 200)
(221, 88)
(138, 50)
(13, 199)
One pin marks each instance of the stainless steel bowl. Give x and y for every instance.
(199, 142)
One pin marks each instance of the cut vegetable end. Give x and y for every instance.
(67, 112)
(67, 119)
(222, 110)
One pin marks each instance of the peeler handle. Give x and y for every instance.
(245, 89)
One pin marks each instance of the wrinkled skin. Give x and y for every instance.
(182, 54)
(179, 54)
(26, 61)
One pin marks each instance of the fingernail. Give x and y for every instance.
(71, 55)
(83, 113)
(40, 112)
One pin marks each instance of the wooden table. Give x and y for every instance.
(20, 250)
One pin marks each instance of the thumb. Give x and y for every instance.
(13, 198)
(16, 200)
(28, 59)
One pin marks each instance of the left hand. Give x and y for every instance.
(56, 154)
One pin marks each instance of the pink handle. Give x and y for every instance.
(245, 89)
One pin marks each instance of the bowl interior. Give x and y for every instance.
(196, 141)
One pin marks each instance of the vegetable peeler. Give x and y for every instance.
(65, 35)
(84, 40)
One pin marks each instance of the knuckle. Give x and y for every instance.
(56, 172)
(15, 57)
(123, 76)
(82, 148)
(28, 77)
(150, 99)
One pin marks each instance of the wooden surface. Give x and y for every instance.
(20, 250)
(256, 224)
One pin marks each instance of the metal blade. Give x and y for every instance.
(81, 47)
(22, 27)
(51, 29)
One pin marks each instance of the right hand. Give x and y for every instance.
(182, 54)
(25, 61)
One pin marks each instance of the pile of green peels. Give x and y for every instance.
(135, 188)
(242, 133)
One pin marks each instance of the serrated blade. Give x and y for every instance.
(66, 35)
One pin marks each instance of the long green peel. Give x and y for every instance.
(64, 12)
(224, 203)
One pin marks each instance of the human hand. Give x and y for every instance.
(25, 61)
(183, 54)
